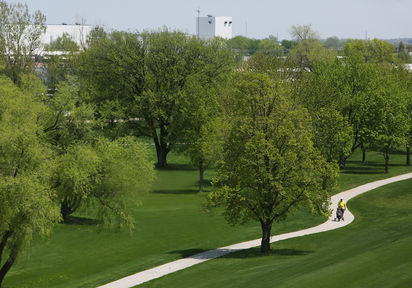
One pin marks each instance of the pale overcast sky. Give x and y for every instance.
(256, 19)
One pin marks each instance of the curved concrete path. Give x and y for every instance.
(330, 224)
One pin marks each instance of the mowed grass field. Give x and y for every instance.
(170, 224)
(374, 251)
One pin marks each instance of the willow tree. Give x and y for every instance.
(106, 174)
(26, 162)
(270, 166)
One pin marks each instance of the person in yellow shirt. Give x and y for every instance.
(342, 206)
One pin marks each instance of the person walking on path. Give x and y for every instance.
(342, 207)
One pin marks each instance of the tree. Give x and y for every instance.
(373, 51)
(387, 123)
(20, 34)
(62, 43)
(140, 79)
(105, 173)
(202, 136)
(288, 44)
(307, 51)
(242, 47)
(60, 61)
(67, 119)
(332, 42)
(112, 75)
(26, 205)
(270, 166)
(270, 47)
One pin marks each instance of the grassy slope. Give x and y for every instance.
(374, 251)
(170, 225)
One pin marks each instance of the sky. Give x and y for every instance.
(384, 19)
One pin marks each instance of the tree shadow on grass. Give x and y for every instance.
(176, 191)
(177, 167)
(355, 167)
(206, 184)
(201, 254)
(256, 253)
(73, 220)
(398, 152)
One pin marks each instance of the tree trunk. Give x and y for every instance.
(65, 211)
(343, 158)
(3, 243)
(363, 153)
(265, 244)
(161, 158)
(201, 172)
(161, 145)
(408, 155)
(69, 206)
(342, 162)
(386, 161)
(6, 267)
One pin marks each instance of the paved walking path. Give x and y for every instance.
(330, 224)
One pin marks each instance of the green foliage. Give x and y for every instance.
(20, 34)
(63, 43)
(67, 118)
(270, 166)
(270, 47)
(26, 205)
(385, 112)
(374, 51)
(333, 42)
(242, 45)
(332, 134)
(288, 44)
(405, 57)
(61, 61)
(308, 51)
(140, 79)
(105, 174)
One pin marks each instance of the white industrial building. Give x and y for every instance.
(78, 33)
(214, 26)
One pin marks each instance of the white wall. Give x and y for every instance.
(78, 33)
(223, 27)
(205, 27)
(209, 27)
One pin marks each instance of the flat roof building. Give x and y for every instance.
(78, 33)
(214, 26)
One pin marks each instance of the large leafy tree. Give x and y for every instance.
(308, 50)
(26, 163)
(270, 166)
(112, 75)
(386, 112)
(92, 170)
(20, 34)
(372, 51)
(140, 79)
(106, 173)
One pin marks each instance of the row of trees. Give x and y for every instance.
(242, 46)
(189, 96)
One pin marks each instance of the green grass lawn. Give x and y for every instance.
(170, 224)
(374, 251)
